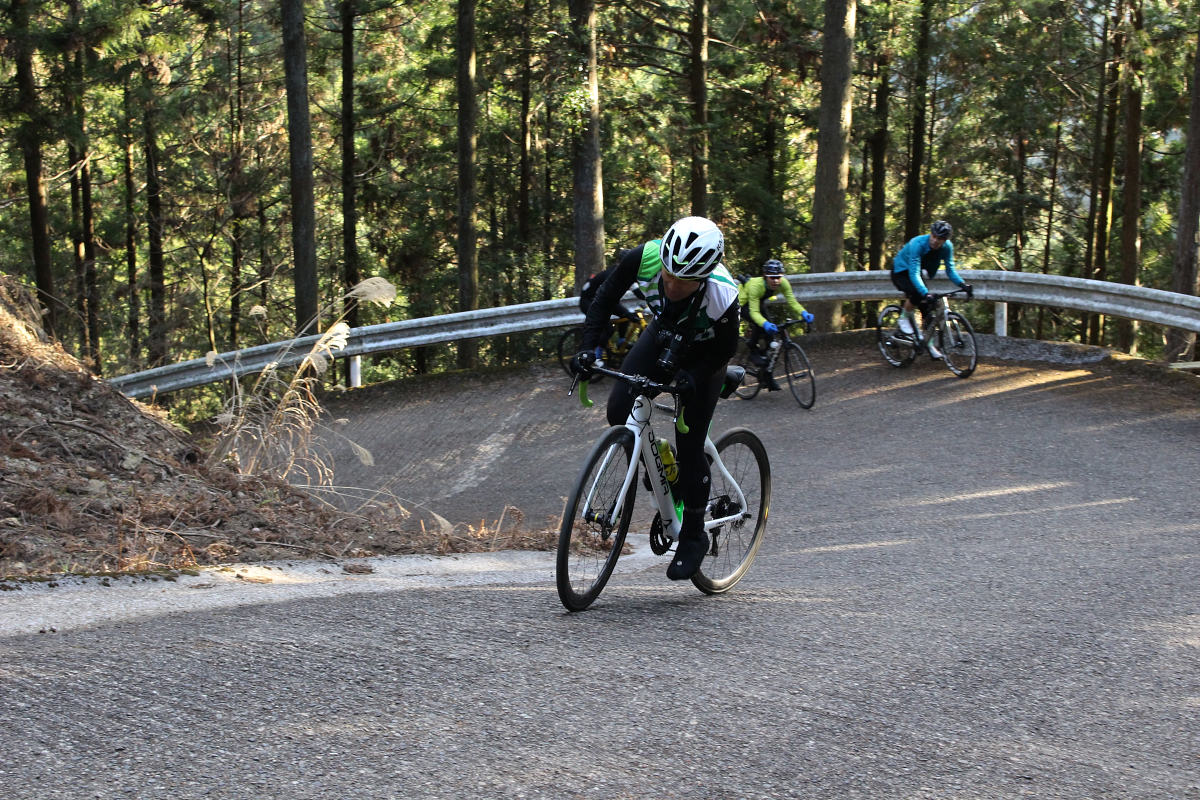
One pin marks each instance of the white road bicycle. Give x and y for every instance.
(948, 330)
(598, 512)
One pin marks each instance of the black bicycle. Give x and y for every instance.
(782, 351)
(949, 333)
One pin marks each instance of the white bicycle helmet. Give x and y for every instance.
(692, 248)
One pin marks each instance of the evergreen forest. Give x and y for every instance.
(189, 176)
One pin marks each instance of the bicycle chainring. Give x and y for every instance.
(660, 542)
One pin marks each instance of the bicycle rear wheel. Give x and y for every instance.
(732, 546)
(896, 351)
(750, 385)
(799, 374)
(590, 539)
(957, 342)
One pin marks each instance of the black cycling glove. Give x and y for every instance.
(581, 364)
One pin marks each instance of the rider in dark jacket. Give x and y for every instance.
(689, 293)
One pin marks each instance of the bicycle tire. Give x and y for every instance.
(588, 549)
(570, 343)
(732, 547)
(957, 342)
(799, 373)
(896, 352)
(749, 386)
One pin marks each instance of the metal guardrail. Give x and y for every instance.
(381, 338)
(1100, 297)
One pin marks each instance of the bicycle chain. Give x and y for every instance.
(659, 541)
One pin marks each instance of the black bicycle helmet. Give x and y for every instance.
(773, 267)
(941, 229)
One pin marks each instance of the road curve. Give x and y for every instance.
(981, 588)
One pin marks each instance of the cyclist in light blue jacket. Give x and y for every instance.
(918, 261)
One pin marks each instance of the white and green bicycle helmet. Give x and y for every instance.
(692, 248)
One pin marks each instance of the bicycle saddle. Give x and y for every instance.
(733, 379)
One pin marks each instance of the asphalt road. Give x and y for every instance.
(970, 589)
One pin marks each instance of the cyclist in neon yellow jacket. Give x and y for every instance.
(694, 333)
(770, 286)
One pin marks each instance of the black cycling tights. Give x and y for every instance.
(697, 412)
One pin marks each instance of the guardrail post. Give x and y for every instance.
(1001, 319)
(355, 372)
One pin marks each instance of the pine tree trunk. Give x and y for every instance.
(29, 135)
(300, 162)
(1131, 196)
(350, 271)
(468, 257)
(1051, 196)
(1184, 279)
(133, 318)
(588, 174)
(525, 176)
(698, 94)
(1089, 256)
(919, 100)
(156, 350)
(833, 140)
(1095, 332)
(878, 148)
(1018, 251)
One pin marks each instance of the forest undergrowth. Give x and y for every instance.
(92, 482)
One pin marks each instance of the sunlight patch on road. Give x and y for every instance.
(1116, 501)
(842, 548)
(1008, 490)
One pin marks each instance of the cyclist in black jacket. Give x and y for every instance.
(587, 293)
(693, 334)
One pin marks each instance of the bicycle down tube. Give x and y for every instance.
(638, 424)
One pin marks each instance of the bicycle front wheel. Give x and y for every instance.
(957, 342)
(595, 521)
(733, 545)
(570, 343)
(899, 352)
(799, 374)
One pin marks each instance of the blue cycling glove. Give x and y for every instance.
(770, 327)
(807, 316)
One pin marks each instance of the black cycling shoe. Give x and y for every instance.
(688, 556)
(770, 384)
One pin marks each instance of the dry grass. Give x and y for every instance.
(93, 482)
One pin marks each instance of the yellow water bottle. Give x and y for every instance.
(670, 466)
